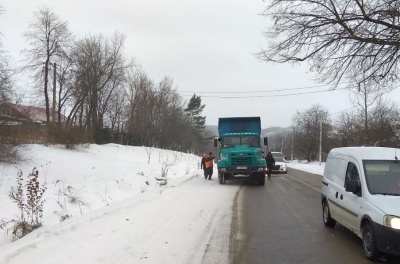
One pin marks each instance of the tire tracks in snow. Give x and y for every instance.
(204, 229)
(236, 239)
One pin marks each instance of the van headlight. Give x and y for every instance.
(392, 221)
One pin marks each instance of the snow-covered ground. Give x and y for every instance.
(120, 208)
(312, 167)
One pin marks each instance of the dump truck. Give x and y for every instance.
(240, 149)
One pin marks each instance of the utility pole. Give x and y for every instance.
(320, 142)
(122, 134)
(291, 156)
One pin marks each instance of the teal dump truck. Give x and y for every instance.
(240, 149)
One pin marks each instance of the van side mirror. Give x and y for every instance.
(266, 141)
(351, 186)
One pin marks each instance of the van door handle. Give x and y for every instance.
(336, 194)
(341, 197)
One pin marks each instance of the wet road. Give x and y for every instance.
(281, 222)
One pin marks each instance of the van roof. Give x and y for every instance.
(367, 153)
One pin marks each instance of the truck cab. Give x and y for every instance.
(240, 149)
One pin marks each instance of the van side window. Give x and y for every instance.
(352, 174)
(333, 169)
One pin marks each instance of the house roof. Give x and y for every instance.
(34, 113)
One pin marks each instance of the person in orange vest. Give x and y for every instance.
(209, 165)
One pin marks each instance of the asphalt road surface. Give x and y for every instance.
(281, 222)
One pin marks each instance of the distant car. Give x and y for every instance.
(278, 155)
(280, 165)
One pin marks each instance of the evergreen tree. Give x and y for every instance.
(197, 122)
(194, 110)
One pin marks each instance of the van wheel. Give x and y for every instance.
(369, 242)
(326, 215)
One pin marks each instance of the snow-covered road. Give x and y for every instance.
(187, 223)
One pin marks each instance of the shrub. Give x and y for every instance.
(30, 205)
(9, 150)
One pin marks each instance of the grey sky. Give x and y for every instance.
(206, 46)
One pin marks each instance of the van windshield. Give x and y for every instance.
(382, 176)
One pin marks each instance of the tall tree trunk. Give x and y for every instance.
(46, 94)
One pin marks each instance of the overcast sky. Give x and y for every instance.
(206, 46)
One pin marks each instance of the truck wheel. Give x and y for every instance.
(261, 178)
(326, 215)
(221, 178)
(369, 242)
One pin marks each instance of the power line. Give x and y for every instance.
(264, 96)
(276, 95)
(343, 111)
(269, 91)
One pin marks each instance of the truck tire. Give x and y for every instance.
(261, 178)
(221, 178)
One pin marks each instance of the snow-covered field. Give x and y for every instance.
(120, 207)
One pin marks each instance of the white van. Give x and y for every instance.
(361, 191)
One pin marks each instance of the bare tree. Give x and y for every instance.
(307, 130)
(65, 79)
(348, 40)
(156, 116)
(139, 91)
(100, 70)
(5, 72)
(115, 113)
(364, 99)
(9, 152)
(383, 126)
(384, 120)
(349, 129)
(6, 90)
(47, 37)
